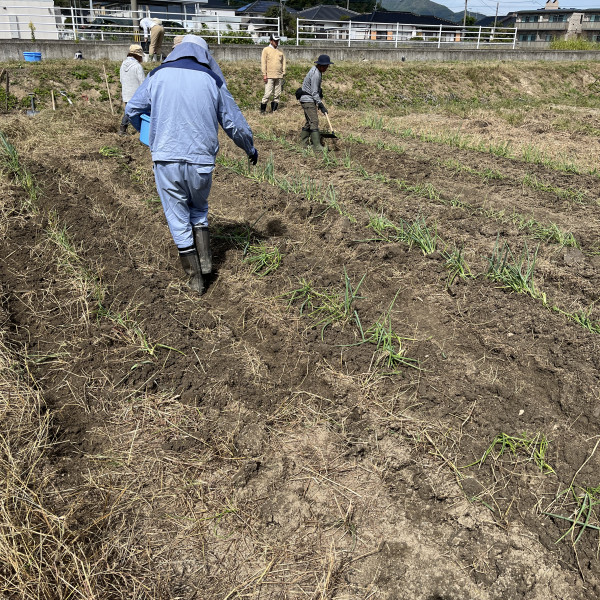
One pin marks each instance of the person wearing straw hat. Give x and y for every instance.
(187, 101)
(311, 100)
(177, 40)
(272, 64)
(131, 76)
(157, 33)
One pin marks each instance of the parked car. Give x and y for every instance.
(174, 25)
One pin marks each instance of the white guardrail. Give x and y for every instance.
(368, 33)
(36, 22)
(55, 23)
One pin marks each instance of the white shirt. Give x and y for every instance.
(146, 24)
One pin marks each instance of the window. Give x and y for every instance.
(527, 37)
(557, 18)
(530, 19)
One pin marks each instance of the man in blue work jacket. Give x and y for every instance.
(187, 102)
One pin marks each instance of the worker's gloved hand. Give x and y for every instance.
(253, 156)
(322, 108)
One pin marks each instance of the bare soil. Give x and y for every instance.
(235, 445)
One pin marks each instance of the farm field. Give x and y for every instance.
(390, 390)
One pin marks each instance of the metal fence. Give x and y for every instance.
(55, 23)
(355, 33)
(224, 26)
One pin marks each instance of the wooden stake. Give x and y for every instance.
(108, 90)
(53, 102)
(2, 73)
(7, 90)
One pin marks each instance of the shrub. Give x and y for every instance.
(574, 44)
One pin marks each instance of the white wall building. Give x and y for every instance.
(213, 14)
(17, 18)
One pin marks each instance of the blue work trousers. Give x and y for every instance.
(183, 189)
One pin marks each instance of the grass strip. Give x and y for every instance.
(457, 139)
(326, 307)
(512, 273)
(549, 233)
(535, 447)
(9, 161)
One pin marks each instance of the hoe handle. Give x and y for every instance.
(329, 122)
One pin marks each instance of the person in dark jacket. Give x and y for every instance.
(187, 101)
(311, 100)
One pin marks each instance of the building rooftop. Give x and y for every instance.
(260, 7)
(554, 11)
(406, 18)
(499, 20)
(326, 12)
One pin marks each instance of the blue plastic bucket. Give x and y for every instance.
(145, 130)
(32, 56)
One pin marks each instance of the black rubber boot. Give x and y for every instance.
(190, 261)
(202, 240)
(122, 129)
(263, 108)
(315, 138)
(274, 106)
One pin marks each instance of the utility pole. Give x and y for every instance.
(135, 19)
(281, 11)
(496, 17)
(465, 15)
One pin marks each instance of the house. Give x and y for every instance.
(402, 26)
(185, 14)
(551, 22)
(211, 14)
(324, 22)
(380, 26)
(327, 12)
(254, 20)
(32, 19)
(257, 8)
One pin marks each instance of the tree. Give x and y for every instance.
(289, 22)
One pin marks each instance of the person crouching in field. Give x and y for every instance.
(311, 99)
(187, 101)
(272, 65)
(131, 76)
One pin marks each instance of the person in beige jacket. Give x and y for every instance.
(272, 64)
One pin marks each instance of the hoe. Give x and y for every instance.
(328, 134)
(32, 112)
